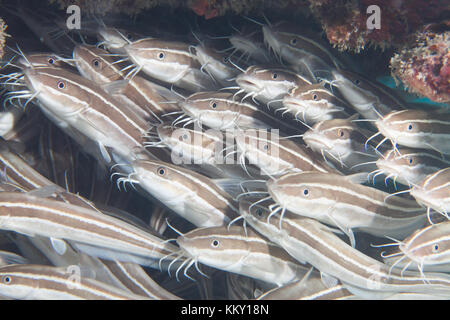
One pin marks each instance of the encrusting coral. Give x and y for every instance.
(424, 67)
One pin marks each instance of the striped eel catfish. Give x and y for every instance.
(269, 84)
(79, 103)
(169, 61)
(371, 100)
(417, 129)
(18, 172)
(241, 251)
(190, 146)
(95, 64)
(434, 191)
(201, 150)
(313, 103)
(134, 277)
(426, 249)
(189, 194)
(114, 39)
(305, 52)
(344, 143)
(410, 166)
(339, 201)
(146, 98)
(276, 155)
(219, 111)
(215, 64)
(309, 241)
(250, 46)
(96, 234)
(310, 287)
(51, 283)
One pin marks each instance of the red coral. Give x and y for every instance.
(204, 8)
(345, 21)
(425, 67)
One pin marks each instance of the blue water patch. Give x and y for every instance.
(407, 96)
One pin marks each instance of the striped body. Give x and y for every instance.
(169, 61)
(79, 103)
(305, 52)
(417, 129)
(276, 155)
(31, 215)
(311, 288)
(191, 195)
(369, 99)
(270, 84)
(309, 241)
(50, 283)
(335, 200)
(429, 246)
(411, 166)
(218, 110)
(313, 103)
(142, 96)
(342, 142)
(434, 191)
(246, 253)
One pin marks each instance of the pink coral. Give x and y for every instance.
(345, 21)
(425, 67)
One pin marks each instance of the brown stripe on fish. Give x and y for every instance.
(45, 282)
(191, 195)
(371, 100)
(17, 171)
(103, 119)
(277, 155)
(269, 85)
(410, 166)
(417, 129)
(434, 191)
(338, 201)
(309, 241)
(235, 249)
(28, 214)
(313, 103)
(96, 64)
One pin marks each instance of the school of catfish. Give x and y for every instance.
(231, 167)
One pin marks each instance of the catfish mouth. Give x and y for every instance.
(246, 83)
(315, 141)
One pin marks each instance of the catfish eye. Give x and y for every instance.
(215, 243)
(213, 104)
(410, 126)
(6, 279)
(293, 41)
(314, 96)
(258, 212)
(266, 147)
(410, 160)
(306, 192)
(274, 75)
(161, 56)
(340, 133)
(357, 82)
(161, 171)
(51, 61)
(61, 84)
(96, 63)
(435, 248)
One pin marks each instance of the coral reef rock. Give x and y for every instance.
(424, 67)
